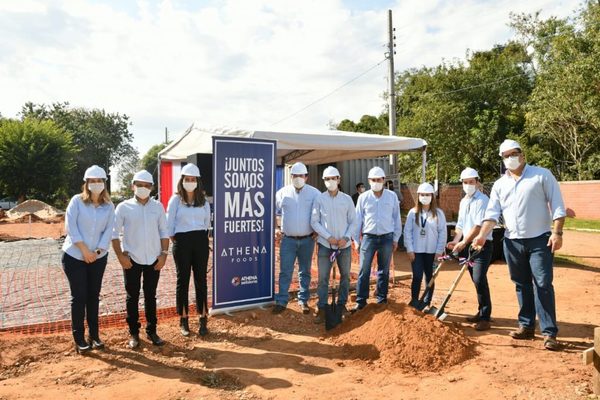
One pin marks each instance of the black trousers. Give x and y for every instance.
(133, 282)
(190, 252)
(85, 281)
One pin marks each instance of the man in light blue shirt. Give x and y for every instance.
(294, 204)
(530, 201)
(378, 221)
(333, 218)
(143, 252)
(470, 218)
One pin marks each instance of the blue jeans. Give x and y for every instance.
(370, 244)
(343, 260)
(479, 277)
(423, 263)
(289, 250)
(530, 266)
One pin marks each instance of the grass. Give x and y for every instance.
(576, 223)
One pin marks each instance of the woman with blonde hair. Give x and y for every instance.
(188, 222)
(424, 238)
(89, 223)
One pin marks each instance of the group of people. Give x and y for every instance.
(527, 197)
(140, 232)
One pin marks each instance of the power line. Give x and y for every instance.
(330, 93)
(470, 87)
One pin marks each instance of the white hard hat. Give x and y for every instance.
(425, 188)
(299, 169)
(376, 172)
(507, 145)
(190, 170)
(94, 172)
(143, 176)
(330, 171)
(468, 173)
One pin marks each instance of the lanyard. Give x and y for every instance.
(423, 220)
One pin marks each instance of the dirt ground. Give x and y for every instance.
(388, 352)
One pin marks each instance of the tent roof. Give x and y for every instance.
(310, 147)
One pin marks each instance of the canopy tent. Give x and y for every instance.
(310, 147)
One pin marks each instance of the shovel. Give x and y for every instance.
(465, 262)
(333, 312)
(421, 305)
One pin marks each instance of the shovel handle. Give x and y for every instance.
(451, 290)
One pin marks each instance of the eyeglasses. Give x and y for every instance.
(513, 154)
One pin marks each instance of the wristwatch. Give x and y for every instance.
(164, 252)
(559, 233)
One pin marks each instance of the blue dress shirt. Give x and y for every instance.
(183, 218)
(88, 224)
(295, 209)
(529, 204)
(378, 215)
(434, 240)
(471, 212)
(142, 226)
(333, 216)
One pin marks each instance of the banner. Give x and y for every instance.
(243, 240)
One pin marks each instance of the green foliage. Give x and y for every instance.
(100, 138)
(577, 223)
(36, 159)
(127, 168)
(367, 124)
(150, 163)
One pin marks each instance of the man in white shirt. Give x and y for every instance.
(529, 199)
(333, 218)
(294, 203)
(143, 252)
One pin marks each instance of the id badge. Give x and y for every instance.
(422, 231)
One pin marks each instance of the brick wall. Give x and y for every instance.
(582, 199)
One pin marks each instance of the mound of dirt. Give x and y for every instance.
(39, 209)
(403, 338)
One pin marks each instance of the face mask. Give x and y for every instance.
(425, 200)
(376, 186)
(331, 185)
(298, 182)
(469, 189)
(512, 163)
(190, 186)
(142, 192)
(96, 188)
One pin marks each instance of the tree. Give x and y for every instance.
(366, 124)
(563, 114)
(127, 168)
(150, 163)
(36, 159)
(100, 138)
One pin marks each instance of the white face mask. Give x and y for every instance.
(425, 200)
(96, 188)
(298, 182)
(190, 186)
(376, 186)
(512, 163)
(142, 192)
(469, 189)
(331, 185)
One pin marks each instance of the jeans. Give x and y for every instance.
(383, 245)
(343, 260)
(530, 266)
(423, 264)
(479, 277)
(85, 281)
(133, 281)
(289, 250)
(190, 251)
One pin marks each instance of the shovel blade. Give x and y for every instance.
(437, 313)
(333, 316)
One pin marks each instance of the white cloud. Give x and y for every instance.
(244, 63)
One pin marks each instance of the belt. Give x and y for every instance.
(298, 237)
(378, 236)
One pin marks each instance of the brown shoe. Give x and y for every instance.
(474, 319)
(483, 325)
(523, 333)
(319, 316)
(304, 307)
(278, 309)
(550, 343)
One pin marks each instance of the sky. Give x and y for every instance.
(242, 63)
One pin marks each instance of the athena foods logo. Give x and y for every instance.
(244, 280)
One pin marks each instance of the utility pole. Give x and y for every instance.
(166, 136)
(392, 89)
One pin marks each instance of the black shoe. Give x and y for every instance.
(185, 326)
(483, 325)
(278, 309)
(134, 341)
(82, 347)
(523, 333)
(155, 339)
(474, 319)
(203, 331)
(550, 343)
(357, 307)
(96, 343)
